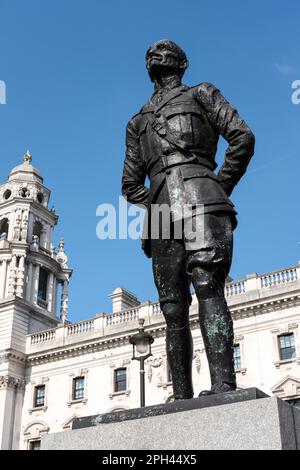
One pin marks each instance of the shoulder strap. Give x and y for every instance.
(160, 126)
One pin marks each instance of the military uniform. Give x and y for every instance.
(173, 140)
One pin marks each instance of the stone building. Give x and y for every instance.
(52, 370)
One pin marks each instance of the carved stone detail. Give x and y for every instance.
(12, 276)
(7, 381)
(24, 227)
(156, 362)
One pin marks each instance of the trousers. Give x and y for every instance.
(178, 264)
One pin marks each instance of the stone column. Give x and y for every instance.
(3, 270)
(35, 284)
(29, 282)
(45, 237)
(50, 288)
(24, 228)
(10, 227)
(17, 227)
(12, 276)
(10, 414)
(54, 302)
(30, 226)
(20, 277)
(64, 301)
(17, 432)
(50, 235)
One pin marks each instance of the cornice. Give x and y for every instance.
(39, 257)
(38, 312)
(47, 214)
(8, 355)
(5, 254)
(16, 203)
(77, 350)
(262, 306)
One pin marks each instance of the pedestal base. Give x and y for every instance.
(234, 420)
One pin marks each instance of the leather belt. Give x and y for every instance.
(179, 158)
(174, 159)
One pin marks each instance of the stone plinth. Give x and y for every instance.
(246, 419)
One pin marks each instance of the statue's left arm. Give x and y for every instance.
(226, 120)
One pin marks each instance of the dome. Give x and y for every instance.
(26, 171)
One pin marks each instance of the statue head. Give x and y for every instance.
(165, 58)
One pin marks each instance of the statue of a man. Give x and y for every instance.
(173, 140)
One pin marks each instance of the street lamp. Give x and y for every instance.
(141, 342)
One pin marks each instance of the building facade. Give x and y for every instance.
(52, 370)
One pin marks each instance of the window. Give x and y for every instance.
(24, 192)
(37, 229)
(287, 346)
(35, 445)
(40, 197)
(120, 379)
(78, 388)
(43, 281)
(7, 194)
(39, 396)
(4, 226)
(237, 357)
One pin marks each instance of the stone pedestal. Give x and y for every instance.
(246, 419)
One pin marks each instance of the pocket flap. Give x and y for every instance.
(197, 171)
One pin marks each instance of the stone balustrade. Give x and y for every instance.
(235, 288)
(155, 308)
(122, 317)
(80, 327)
(42, 337)
(279, 277)
(253, 287)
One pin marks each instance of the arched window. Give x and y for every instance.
(37, 229)
(4, 226)
(115, 409)
(40, 197)
(33, 434)
(43, 285)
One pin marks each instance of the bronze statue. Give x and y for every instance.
(173, 140)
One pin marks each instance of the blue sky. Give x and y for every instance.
(75, 74)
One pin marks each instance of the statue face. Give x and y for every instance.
(161, 60)
(160, 56)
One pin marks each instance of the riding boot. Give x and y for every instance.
(179, 346)
(217, 333)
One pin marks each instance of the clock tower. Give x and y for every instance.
(31, 271)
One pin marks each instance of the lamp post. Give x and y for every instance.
(141, 342)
